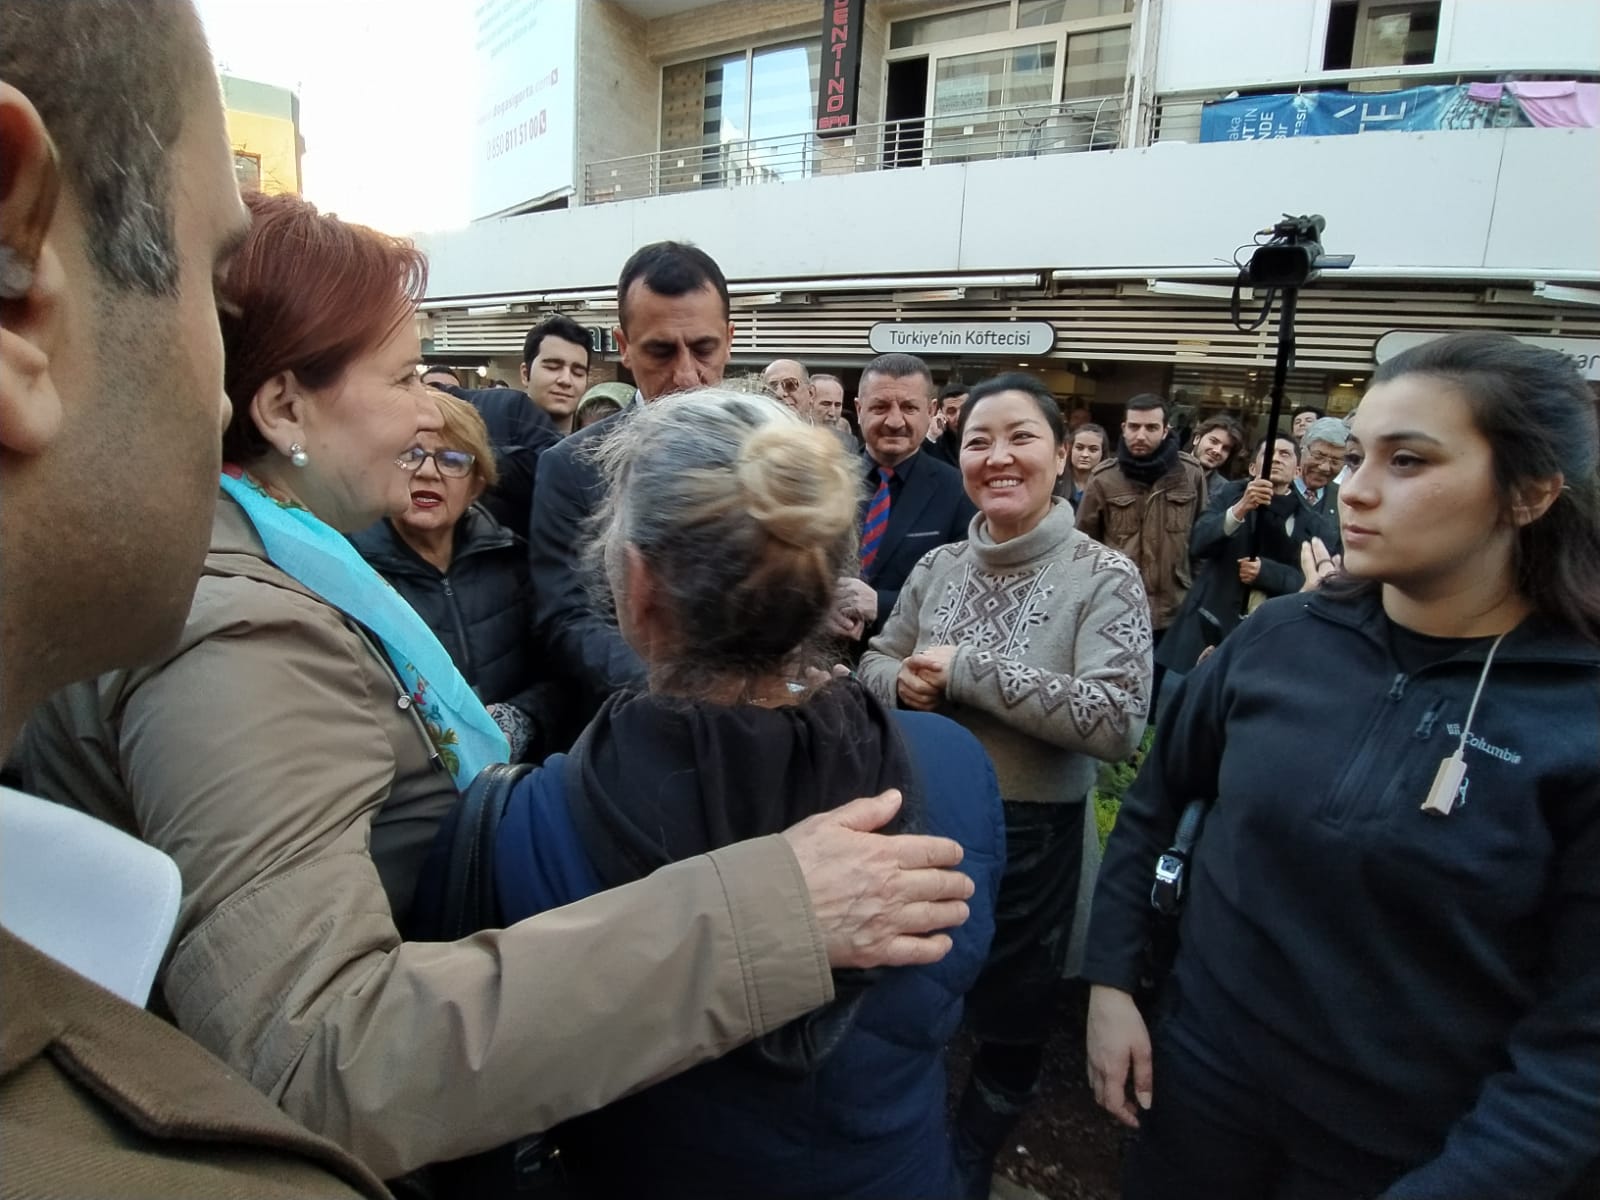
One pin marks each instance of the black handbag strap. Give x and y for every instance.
(468, 898)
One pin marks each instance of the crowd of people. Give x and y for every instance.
(633, 790)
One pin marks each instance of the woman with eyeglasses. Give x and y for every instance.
(467, 576)
(299, 745)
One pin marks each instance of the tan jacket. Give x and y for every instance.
(99, 1098)
(275, 757)
(1150, 523)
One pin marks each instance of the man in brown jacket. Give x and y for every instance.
(110, 382)
(1144, 502)
(110, 419)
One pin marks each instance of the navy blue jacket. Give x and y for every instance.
(585, 646)
(929, 509)
(1425, 988)
(870, 1120)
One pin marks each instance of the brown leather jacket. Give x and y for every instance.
(276, 758)
(1150, 523)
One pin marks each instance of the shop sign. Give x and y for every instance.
(839, 80)
(963, 337)
(1583, 351)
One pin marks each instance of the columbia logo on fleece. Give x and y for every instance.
(1477, 743)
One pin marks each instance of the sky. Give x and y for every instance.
(386, 98)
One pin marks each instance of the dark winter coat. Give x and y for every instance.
(929, 508)
(1215, 554)
(480, 610)
(868, 1120)
(586, 649)
(1424, 988)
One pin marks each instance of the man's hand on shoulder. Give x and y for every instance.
(879, 900)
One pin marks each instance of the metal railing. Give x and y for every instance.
(1016, 131)
(1177, 114)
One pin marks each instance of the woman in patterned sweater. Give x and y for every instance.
(1037, 639)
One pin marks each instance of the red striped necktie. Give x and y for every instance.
(877, 519)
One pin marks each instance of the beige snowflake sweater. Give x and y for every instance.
(1052, 662)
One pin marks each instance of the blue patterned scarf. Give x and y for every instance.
(318, 556)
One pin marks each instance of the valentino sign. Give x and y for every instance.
(962, 337)
(838, 83)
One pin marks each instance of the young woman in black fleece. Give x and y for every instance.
(1370, 998)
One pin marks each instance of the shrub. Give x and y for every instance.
(1115, 779)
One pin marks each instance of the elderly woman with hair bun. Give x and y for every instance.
(298, 748)
(729, 522)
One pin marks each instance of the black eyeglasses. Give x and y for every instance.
(452, 464)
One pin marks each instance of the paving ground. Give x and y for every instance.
(1066, 1148)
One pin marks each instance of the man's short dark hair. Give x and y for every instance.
(896, 366)
(670, 269)
(440, 369)
(1306, 408)
(557, 326)
(1148, 402)
(951, 390)
(114, 104)
(1283, 435)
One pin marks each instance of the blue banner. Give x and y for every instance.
(1325, 114)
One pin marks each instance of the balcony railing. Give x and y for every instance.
(1177, 114)
(1018, 131)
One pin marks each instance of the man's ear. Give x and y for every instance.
(33, 300)
(522, 374)
(278, 409)
(622, 346)
(1534, 499)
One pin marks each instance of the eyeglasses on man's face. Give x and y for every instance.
(1335, 459)
(452, 464)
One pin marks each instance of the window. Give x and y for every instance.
(950, 27)
(995, 79)
(1097, 64)
(1054, 12)
(722, 104)
(1371, 33)
(247, 171)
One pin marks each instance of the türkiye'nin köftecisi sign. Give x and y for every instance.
(962, 337)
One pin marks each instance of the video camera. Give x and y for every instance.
(1293, 256)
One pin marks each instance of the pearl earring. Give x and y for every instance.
(298, 455)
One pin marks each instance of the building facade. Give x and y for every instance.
(264, 130)
(1075, 163)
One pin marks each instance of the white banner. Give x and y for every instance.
(527, 110)
(962, 337)
(1584, 351)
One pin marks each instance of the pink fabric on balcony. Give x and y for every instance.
(1553, 104)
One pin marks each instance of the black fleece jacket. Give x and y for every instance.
(479, 610)
(1424, 987)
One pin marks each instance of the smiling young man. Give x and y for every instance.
(675, 335)
(912, 502)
